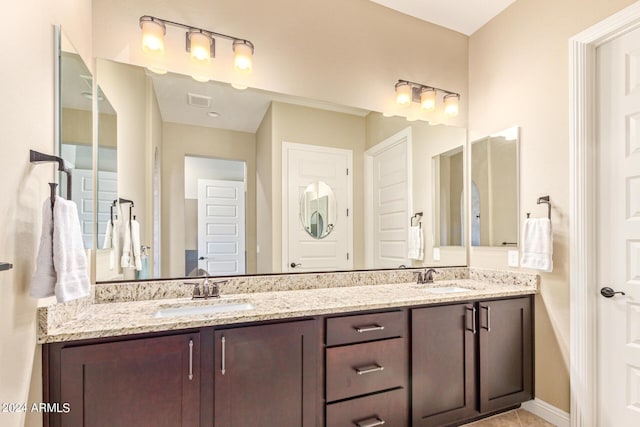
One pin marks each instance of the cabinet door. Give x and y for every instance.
(144, 382)
(443, 364)
(506, 368)
(267, 375)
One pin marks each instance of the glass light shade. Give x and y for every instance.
(243, 51)
(200, 46)
(451, 102)
(428, 99)
(153, 37)
(403, 93)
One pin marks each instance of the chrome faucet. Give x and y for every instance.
(426, 277)
(210, 289)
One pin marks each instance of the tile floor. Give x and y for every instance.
(517, 418)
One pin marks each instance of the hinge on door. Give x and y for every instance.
(347, 256)
(347, 211)
(347, 171)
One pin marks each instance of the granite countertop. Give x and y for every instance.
(95, 320)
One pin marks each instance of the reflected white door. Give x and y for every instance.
(302, 165)
(618, 234)
(82, 192)
(221, 227)
(389, 202)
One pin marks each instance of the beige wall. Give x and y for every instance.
(179, 141)
(27, 86)
(347, 52)
(77, 128)
(427, 141)
(518, 75)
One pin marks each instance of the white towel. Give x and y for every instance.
(62, 262)
(111, 242)
(415, 245)
(537, 244)
(43, 282)
(131, 247)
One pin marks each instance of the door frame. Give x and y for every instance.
(583, 202)
(286, 146)
(405, 135)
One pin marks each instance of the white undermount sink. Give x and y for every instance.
(447, 290)
(208, 307)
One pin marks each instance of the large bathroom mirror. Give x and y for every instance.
(448, 198)
(494, 189)
(174, 134)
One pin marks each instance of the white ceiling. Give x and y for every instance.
(464, 16)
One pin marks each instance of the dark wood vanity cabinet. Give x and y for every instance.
(470, 359)
(443, 364)
(366, 370)
(506, 352)
(148, 381)
(267, 375)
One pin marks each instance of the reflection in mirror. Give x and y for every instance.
(165, 119)
(494, 190)
(76, 133)
(318, 210)
(448, 198)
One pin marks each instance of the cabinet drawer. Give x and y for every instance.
(358, 369)
(365, 327)
(388, 409)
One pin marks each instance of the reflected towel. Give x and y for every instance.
(131, 248)
(43, 282)
(415, 245)
(537, 244)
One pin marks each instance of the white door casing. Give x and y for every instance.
(583, 240)
(302, 165)
(388, 201)
(221, 227)
(618, 230)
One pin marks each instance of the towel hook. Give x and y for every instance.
(546, 200)
(38, 157)
(418, 217)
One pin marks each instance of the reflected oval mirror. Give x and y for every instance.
(318, 210)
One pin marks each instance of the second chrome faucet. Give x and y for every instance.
(426, 277)
(210, 289)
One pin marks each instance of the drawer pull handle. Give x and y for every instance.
(370, 422)
(369, 328)
(369, 369)
(473, 319)
(224, 356)
(488, 327)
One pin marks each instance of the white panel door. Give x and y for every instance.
(303, 165)
(82, 195)
(618, 233)
(390, 201)
(221, 227)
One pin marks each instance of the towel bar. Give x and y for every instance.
(546, 200)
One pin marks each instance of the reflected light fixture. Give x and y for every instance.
(200, 43)
(426, 96)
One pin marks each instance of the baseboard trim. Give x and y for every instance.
(548, 412)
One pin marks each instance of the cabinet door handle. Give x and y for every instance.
(190, 360)
(370, 422)
(224, 351)
(488, 327)
(473, 318)
(369, 328)
(369, 369)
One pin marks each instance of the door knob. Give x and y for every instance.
(608, 292)
(294, 265)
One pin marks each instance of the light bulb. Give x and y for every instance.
(428, 98)
(403, 93)
(451, 102)
(243, 51)
(200, 45)
(153, 32)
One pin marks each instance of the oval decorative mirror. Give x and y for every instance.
(318, 209)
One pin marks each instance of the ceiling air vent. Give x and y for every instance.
(201, 101)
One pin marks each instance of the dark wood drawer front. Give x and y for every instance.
(358, 369)
(365, 327)
(388, 409)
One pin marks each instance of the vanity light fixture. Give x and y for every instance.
(407, 92)
(200, 43)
